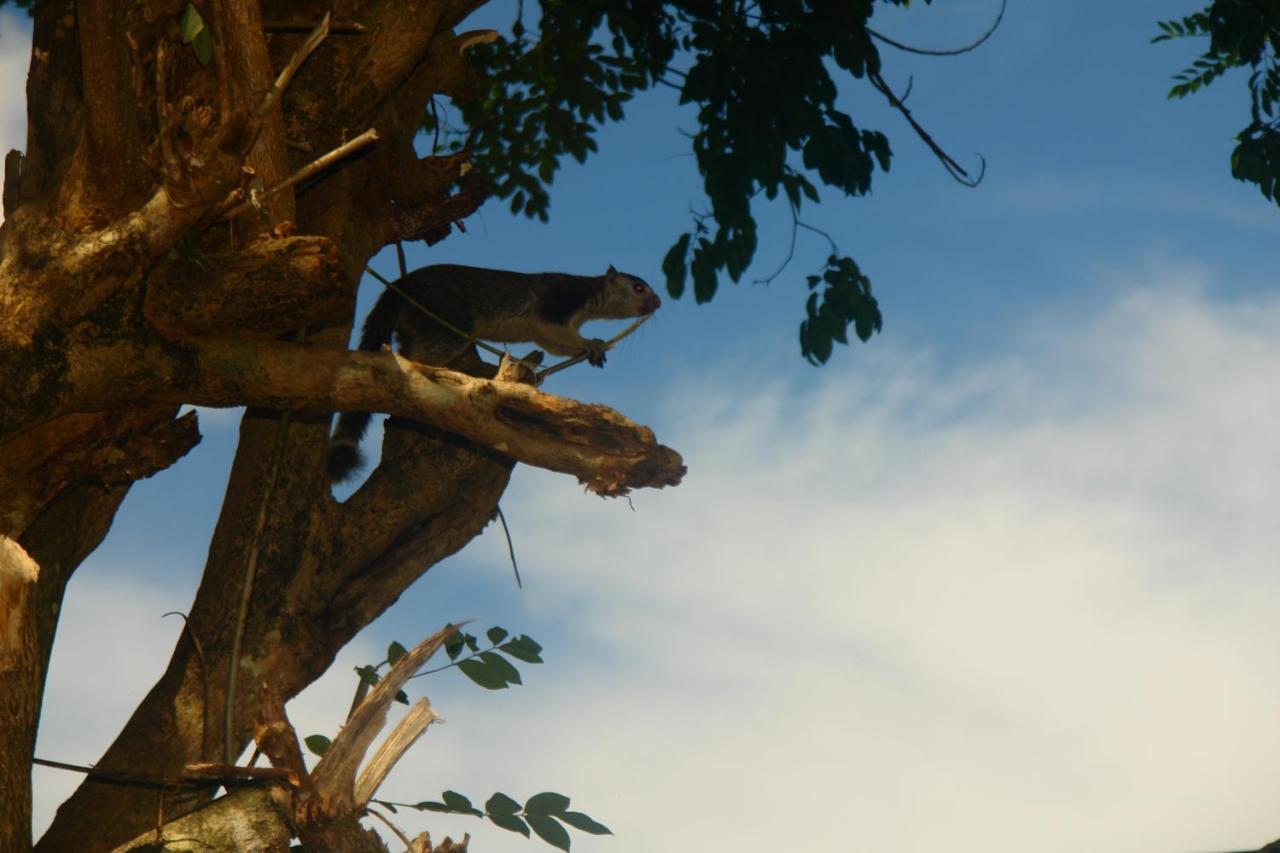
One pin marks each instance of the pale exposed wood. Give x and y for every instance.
(334, 776)
(403, 736)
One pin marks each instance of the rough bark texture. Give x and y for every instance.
(125, 291)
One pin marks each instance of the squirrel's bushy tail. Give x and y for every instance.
(345, 457)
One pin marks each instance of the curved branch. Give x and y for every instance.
(906, 48)
(953, 168)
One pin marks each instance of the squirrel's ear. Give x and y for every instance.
(610, 270)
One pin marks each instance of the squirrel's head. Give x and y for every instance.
(627, 295)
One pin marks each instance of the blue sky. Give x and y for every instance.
(1003, 579)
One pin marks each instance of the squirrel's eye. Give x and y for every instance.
(639, 287)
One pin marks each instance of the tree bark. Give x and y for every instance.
(124, 292)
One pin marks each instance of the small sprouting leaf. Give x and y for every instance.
(368, 675)
(431, 806)
(548, 802)
(402, 697)
(479, 672)
(510, 822)
(549, 830)
(317, 743)
(500, 667)
(453, 645)
(395, 651)
(202, 44)
(470, 640)
(496, 635)
(500, 803)
(578, 820)
(191, 23)
(460, 804)
(391, 807)
(523, 648)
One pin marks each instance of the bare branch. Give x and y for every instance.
(318, 35)
(393, 748)
(334, 775)
(956, 51)
(319, 164)
(953, 168)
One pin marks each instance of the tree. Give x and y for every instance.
(188, 225)
(1241, 33)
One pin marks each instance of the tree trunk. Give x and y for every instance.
(133, 278)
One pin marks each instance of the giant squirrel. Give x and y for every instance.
(495, 305)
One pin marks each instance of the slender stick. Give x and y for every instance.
(317, 165)
(609, 344)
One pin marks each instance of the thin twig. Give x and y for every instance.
(317, 165)
(235, 772)
(295, 62)
(953, 168)
(511, 549)
(950, 52)
(380, 816)
(117, 777)
(337, 28)
(608, 345)
(404, 267)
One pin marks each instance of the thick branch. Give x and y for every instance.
(250, 819)
(271, 287)
(603, 449)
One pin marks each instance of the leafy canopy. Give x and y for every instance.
(1241, 33)
(762, 76)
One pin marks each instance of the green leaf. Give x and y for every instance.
(674, 265)
(510, 822)
(453, 645)
(496, 635)
(459, 804)
(499, 666)
(479, 672)
(523, 648)
(402, 697)
(395, 651)
(317, 743)
(202, 44)
(500, 803)
(549, 830)
(548, 802)
(368, 675)
(578, 820)
(191, 23)
(431, 806)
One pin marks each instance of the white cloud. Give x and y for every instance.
(1021, 604)
(1024, 602)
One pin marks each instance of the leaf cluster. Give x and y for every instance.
(545, 814)
(1241, 33)
(761, 78)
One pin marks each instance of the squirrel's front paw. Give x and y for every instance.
(594, 351)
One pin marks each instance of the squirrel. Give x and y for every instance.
(496, 305)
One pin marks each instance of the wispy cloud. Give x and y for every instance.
(1028, 607)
